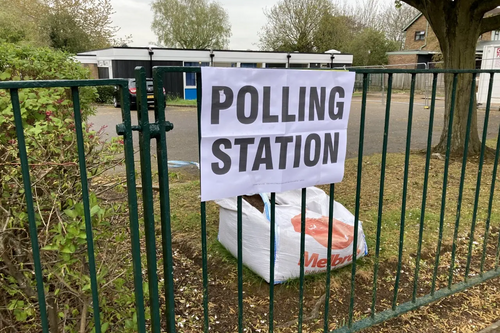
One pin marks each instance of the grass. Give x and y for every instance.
(181, 102)
(185, 213)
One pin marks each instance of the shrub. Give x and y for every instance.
(105, 94)
(49, 129)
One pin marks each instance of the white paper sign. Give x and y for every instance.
(272, 130)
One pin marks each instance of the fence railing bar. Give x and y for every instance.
(424, 192)
(445, 182)
(147, 197)
(166, 230)
(329, 256)
(358, 195)
(381, 192)
(203, 211)
(497, 154)
(479, 176)
(272, 258)
(302, 251)
(21, 142)
(240, 264)
(128, 142)
(492, 191)
(86, 208)
(421, 301)
(405, 191)
(462, 182)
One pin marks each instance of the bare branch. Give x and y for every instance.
(490, 23)
(419, 4)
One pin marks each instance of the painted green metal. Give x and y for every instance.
(478, 182)
(302, 251)
(492, 190)
(18, 120)
(426, 180)
(358, 195)
(86, 207)
(158, 129)
(421, 301)
(240, 263)
(329, 256)
(147, 197)
(381, 191)
(166, 230)
(462, 182)
(497, 154)
(203, 210)
(272, 257)
(445, 182)
(405, 191)
(125, 129)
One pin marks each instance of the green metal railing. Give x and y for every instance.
(165, 320)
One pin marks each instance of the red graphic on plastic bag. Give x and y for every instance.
(342, 233)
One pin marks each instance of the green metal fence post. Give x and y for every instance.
(272, 258)
(21, 143)
(126, 131)
(166, 230)
(86, 207)
(426, 181)
(147, 194)
(203, 212)
(445, 183)
(329, 256)
(462, 181)
(405, 190)
(302, 251)
(358, 195)
(381, 191)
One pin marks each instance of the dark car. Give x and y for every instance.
(132, 90)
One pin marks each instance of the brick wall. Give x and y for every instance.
(430, 42)
(397, 59)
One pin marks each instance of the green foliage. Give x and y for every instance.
(191, 24)
(68, 25)
(105, 94)
(49, 130)
(369, 47)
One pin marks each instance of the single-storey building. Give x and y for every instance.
(120, 62)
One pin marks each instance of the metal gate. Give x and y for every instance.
(155, 300)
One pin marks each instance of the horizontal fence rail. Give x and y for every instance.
(161, 294)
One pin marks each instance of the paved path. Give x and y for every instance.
(182, 142)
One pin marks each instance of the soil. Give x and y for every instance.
(223, 296)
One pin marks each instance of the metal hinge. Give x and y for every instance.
(154, 128)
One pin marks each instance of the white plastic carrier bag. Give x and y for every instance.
(257, 230)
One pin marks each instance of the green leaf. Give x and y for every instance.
(94, 210)
(104, 327)
(4, 76)
(70, 248)
(50, 247)
(71, 213)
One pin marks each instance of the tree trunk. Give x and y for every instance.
(458, 37)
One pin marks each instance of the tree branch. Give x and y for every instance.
(419, 4)
(485, 6)
(490, 23)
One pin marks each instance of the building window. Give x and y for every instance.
(419, 35)
(495, 35)
(191, 77)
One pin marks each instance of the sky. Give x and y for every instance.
(134, 17)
